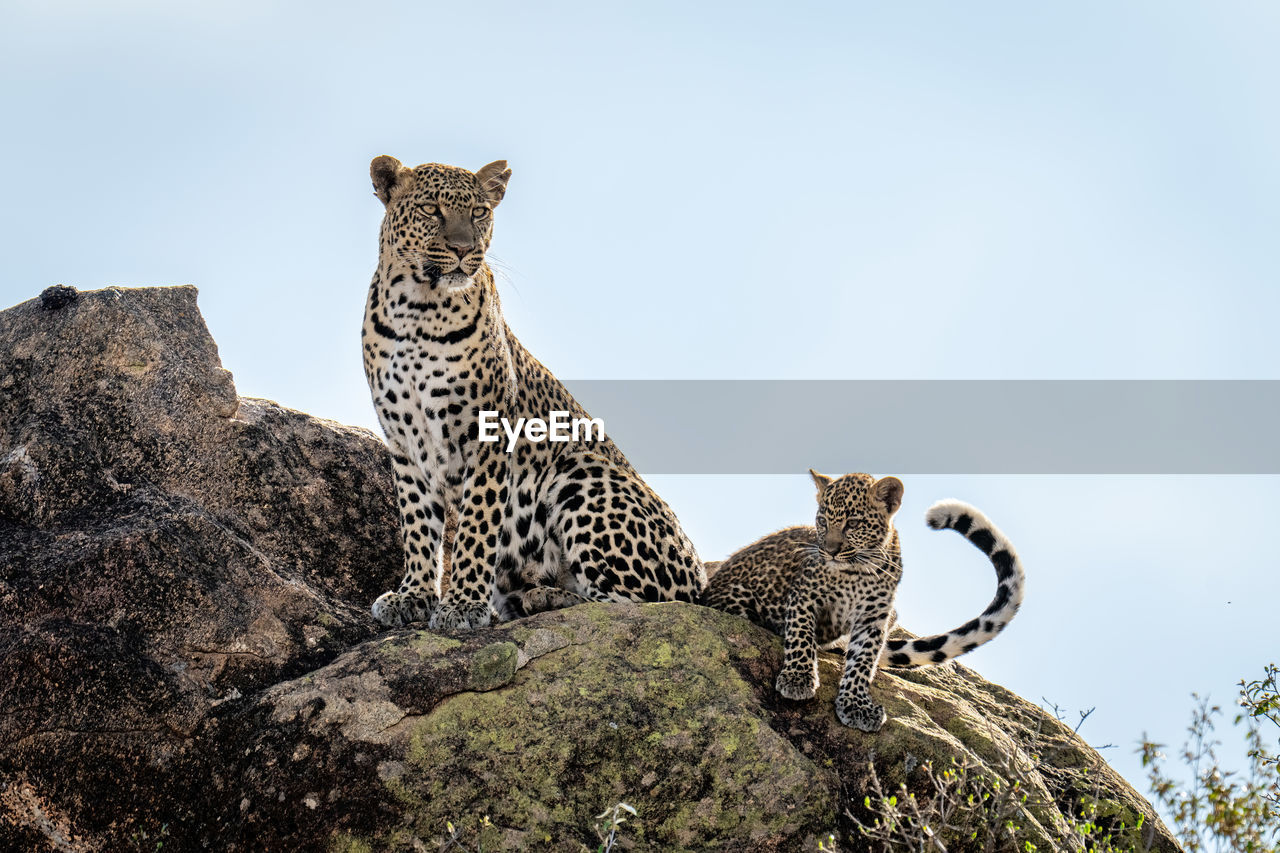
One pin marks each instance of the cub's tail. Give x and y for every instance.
(978, 529)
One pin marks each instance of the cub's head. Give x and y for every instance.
(439, 218)
(855, 514)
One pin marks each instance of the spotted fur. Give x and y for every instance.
(833, 585)
(548, 525)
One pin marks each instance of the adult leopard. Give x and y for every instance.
(545, 525)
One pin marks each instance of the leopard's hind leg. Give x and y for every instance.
(619, 542)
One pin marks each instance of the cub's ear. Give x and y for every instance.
(821, 481)
(388, 174)
(888, 491)
(493, 180)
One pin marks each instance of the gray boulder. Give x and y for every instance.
(187, 661)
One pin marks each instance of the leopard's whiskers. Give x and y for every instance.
(879, 560)
(813, 550)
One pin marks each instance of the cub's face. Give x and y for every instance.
(855, 514)
(439, 218)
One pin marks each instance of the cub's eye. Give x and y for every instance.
(479, 212)
(429, 209)
(852, 524)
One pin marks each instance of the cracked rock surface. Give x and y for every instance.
(187, 660)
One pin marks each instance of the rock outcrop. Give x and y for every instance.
(187, 662)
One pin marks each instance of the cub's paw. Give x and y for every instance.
(461, 615)
(865, 715)
(394, 609)
(797, 685)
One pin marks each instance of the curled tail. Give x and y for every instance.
(978, 529)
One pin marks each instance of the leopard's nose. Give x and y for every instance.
(461, 250)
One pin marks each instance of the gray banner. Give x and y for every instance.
(941, 427)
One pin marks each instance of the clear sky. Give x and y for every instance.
(738, 190)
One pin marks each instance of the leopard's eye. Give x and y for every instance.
(479, 212)
(429, 209)
(853, 524)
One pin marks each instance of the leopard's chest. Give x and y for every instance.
(431, 367)
(848, 600)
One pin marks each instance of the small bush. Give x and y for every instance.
(1222, 810)
(1219, 810)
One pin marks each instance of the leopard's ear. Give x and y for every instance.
(493, 180)
(389, 175)
(888, 490)
(821, 481)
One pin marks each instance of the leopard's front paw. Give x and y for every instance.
(394, 609)
(797, 684)
(864, 715)
(461, 615)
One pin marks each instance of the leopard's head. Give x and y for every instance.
(855, 515)
(439, 218)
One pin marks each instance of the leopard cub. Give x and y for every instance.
(833, 584)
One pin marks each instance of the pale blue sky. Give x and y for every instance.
(855, 190)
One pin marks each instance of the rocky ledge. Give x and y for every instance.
(188, 662)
